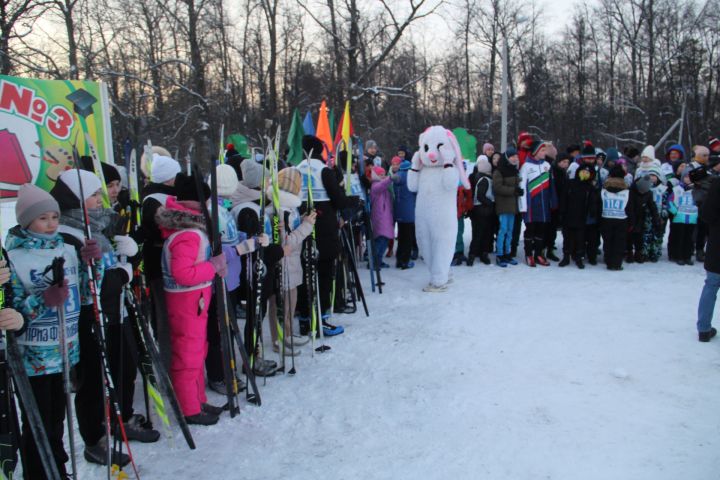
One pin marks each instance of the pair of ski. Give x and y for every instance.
(311, 279)
(227, 323)
(23, 389)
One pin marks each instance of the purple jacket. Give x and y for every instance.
(381, 204)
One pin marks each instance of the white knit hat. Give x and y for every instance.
(163, 169)
(648, 152)
(483, 164)
(90, 182)
(227, 180)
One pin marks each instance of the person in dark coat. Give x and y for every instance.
(482, 215)
(559, 168)
(329, 198)
(710, 214)
(404, 210)
(506, 188)
(615, 217)
(641, 206)
(579, 204)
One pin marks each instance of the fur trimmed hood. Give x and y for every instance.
(177, 215)
(615, 185)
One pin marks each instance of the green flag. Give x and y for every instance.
(468, 144)
(332, 124)
(240, 143)
(294, 140)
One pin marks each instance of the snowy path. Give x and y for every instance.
(512, 374)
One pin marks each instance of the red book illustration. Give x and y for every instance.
(14, 170)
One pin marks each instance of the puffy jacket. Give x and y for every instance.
(505, 183)
(404, 205)
(381, 213)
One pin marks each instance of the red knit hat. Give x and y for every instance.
(524, 137)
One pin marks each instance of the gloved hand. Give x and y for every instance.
(519, 192)
(55, 295)
(90, 251)
(125, 246)
(4, 272)
(263, 240)
(219, 263)
(10, 319)
(310, 218)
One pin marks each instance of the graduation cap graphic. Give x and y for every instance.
(82, 101)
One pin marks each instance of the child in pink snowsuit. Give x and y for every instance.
(188, 272)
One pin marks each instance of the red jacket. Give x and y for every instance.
(464, 201)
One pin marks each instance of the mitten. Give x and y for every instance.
(90, 251)
(125, 246)
(219, 264)
(55, 295)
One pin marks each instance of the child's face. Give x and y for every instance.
(401, 153)
(514, 160)
(489, 152)
(94, 201)
(113, 190)
(564, 164)
(45, 224)
(674, 155)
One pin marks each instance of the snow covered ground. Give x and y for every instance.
(514, 373)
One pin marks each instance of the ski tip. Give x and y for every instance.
(292, 371)
(322, 348)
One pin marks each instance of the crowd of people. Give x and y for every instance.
(610, 205)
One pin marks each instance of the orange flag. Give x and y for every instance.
(323, 130)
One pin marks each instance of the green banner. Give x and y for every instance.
(468, 144)
(40, 121)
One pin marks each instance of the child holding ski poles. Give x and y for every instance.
(32, 246)
(188, 272)
(296, 230)
(11, 323)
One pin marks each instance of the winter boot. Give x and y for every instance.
(565, 261)
(542, 261)
(218, 386)
(202, 418)
(579, 263)
(136, 429)
(681, 262)
(330, 330)
(592, 260)
(264, 368)
(530, 260)
(212, 409)
(407, 265)
(706, 336)
(470, 260)
(435, 288)
(98, 454)
(458, 259)
(639, 257)
(551, 255)
(510, 260)
(485, 259)
(500, 261)
(629, 258)
(689, 261)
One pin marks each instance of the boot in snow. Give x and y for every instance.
(98, 454)
(565, 261)
(202, 418)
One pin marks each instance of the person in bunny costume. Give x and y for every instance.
(437, 170)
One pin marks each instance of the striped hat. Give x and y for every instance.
(290, 180)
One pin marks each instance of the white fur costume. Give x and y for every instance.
(437, 169)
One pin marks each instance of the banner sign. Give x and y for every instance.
(40, 121)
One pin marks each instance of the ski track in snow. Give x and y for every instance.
(514, 373)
